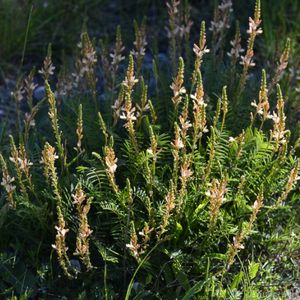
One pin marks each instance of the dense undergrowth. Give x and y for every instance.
(193, 194)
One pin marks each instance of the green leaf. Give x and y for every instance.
(183, 280)
(194, 290)
(236, 281)
(253, 269)
(104, 253)
(3, 213)
(200, 207)
(223, 293)
(178, 230)
(219, 256)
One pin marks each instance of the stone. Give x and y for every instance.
(39, 93)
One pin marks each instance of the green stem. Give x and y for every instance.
(136, 271)
(105, 281)
(26, 36)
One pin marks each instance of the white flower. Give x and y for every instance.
(133, 248)
(86, 234)
(185, 125)
(18, 94)
(260, 111)
(218, 26)
(256, 205)
(198, 101)
(253, 27)
(253, 103)
(237, 244)
(128, 115)
(245, 60)
(116, 58)
(42, 161)
(7, 183)
(183, 30)
(205, 129)
(113, 168)
(61, 231)
(225, 5)
(235, 50)
(49, 70)
(199, 52)
(130, 82)
(28, 119)
(149, 150)
(186, 173)
(176, 91)
(178, 144)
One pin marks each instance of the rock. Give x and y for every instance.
(39, 93)
(151, 86)
(147, 63)
(163, 58)
(75, 263)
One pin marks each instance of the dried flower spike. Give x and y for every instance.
(22, 166)
(29, 87)
(279, 131)
(79, 129)
(116, 54)
(145, 234)
(60, 246)
(117, 107)
(185, 174)
(236, 49)
(140, 44)
(220, 24)
(263, 105)
(134, 245)
(83, 205)
(130, 79)
(291, 182)
(177, 144)
(143, 105)
(199, 112)
(173, 29)
(177, 85)
(216, 196)
(247, 60)
(282, 64)
(48, 68)
(7, 183)
(85, 65)
(111, 165)
(48, 160)
(169, 207)
(199, 51)
(224, 108)
(54, 120)
(64, 83)
(185, 124)
(245, 231)
(129, 111)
